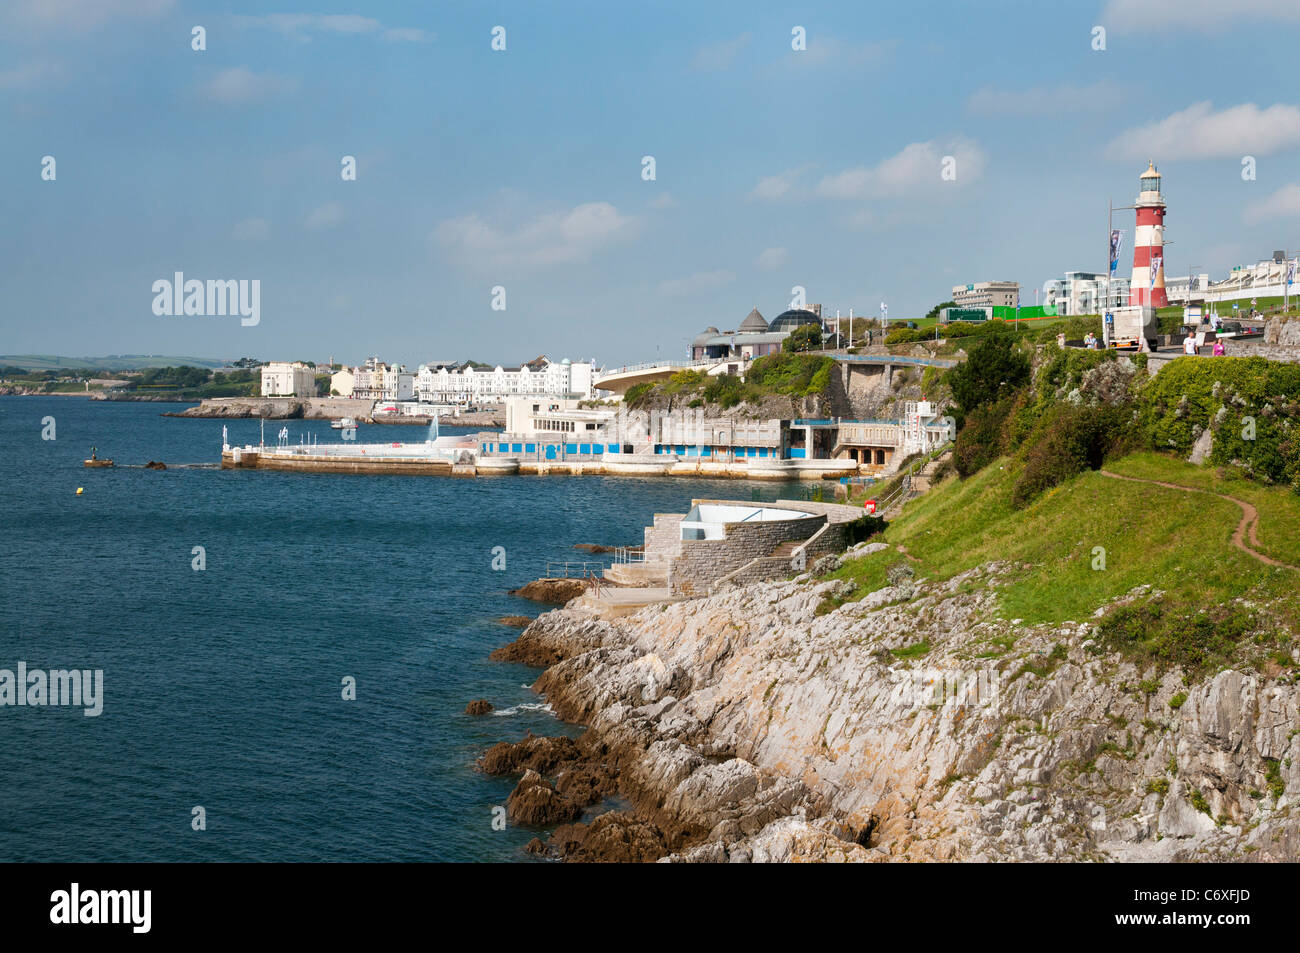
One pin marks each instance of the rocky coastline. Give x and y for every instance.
(750, 726)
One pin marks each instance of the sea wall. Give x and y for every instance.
(703, 561)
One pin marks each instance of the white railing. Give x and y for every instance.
(650, 365)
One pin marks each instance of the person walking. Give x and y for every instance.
(1189, 345)
(1219, 349)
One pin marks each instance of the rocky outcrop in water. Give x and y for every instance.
(556, 590)
(746, 727)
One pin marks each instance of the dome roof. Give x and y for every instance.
(789, 320)
(702, 338)
(1151, 172)
(753, 323)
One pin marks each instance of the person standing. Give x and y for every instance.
(1219, 349)
(1189, 345)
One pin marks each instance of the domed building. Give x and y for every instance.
(787, 321)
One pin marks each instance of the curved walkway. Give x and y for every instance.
(1245, 528)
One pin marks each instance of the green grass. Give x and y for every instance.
(1279, 522)
(1178, 542)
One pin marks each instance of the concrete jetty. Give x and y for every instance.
(422, 459)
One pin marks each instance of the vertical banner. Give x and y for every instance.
(1156, 262)
(1116, 239)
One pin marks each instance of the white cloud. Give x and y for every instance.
(916, 170)
(85, 14)
(239, 84)
(719, 56)
(328, 215)
(777, 186)
(1046, 100)
(663, 200)
(301, 25)
(252, 230)
(549, 239)
(832, 51)
(1206, 16)
(694, 284)
(773, 258)
(1198, 132)
(1284, 203)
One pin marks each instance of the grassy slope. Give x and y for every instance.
(1171, 540)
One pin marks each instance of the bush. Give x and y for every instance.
(907, 336)
(982, 438)
(1165, 633)
(863, 528)
(636, 393)
(1192, 394)
(993, 369)
(1069, 440)
(806, 337)
(795, 375)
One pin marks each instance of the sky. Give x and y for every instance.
(907, 148)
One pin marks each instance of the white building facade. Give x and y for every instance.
(1084, 292)
(464, 384)
(376, 380)
(285, 379)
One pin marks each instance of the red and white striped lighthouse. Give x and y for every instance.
(1148, 284)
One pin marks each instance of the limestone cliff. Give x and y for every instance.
(909, 725)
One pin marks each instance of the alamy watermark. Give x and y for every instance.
(211, 298)
(37, 687)
(938, 686)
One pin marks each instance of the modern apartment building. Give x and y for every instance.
(987, 294)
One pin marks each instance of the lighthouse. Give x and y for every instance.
(1148, 284)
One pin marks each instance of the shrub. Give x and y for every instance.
(637, 393)
(806, 337)
(1179, 699)
(993, 369)
(1069, 440)
(796, 375)
(1165, 633)
(907, 336)
(862, 528)
(982, 439)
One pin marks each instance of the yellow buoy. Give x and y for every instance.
(79, 489)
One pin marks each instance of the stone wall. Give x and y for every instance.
(663, 540)
(769, 568)
(704, 561)
(1286, 353)
(835, 512)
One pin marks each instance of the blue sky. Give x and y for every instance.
(523, 168)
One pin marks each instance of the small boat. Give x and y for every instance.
(344, 423)
(96, 462)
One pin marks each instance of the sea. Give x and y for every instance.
(286, 658)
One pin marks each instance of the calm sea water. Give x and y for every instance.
(223, 687)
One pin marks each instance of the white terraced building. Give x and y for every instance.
(463, 384)
(376, 380)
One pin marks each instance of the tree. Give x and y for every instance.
(806, 337)
(994, 369)
(934, 312)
